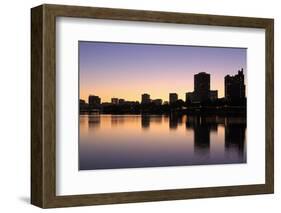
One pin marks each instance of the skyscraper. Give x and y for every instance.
(202, 86)
(202, 90)
(234, 87)
(145, 98)
(94, 100)
(173, 97)
(114, 100)
(157, 101)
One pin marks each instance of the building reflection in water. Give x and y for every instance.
(117, 120)
(201, 127)
(203, 140)
(234, 136)
(94, 121)
(156, 119)
(175, 121)
(145, 121)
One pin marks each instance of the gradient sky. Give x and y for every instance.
(126, 71)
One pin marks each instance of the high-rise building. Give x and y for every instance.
(234, 87)
(145, 98)
(94, 100)
(202, 90)
(202, 86)
(114, 100)
(173, 97)
(157, 102)
(213, 95)
(189, 96)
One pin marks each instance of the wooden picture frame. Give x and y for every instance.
(43, 105)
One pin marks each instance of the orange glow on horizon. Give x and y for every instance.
(127, 70)
(134, 94)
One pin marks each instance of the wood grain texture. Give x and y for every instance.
(43, 105)
(269, 106)
(36, 106)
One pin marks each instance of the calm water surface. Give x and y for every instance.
(133, 141)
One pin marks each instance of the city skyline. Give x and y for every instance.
(158, 70)
(233, 85)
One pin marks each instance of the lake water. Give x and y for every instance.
(134, 141)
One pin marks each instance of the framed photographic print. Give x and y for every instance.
(136, 106)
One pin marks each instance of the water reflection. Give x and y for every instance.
(131, 141)
(201, 127)
(145, 121)
(234, 138)
(94, 121)
(117, 120)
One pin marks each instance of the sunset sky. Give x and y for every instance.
(126, 71)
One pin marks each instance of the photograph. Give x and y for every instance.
(140, 105)
(159, 105)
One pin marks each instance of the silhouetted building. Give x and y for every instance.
(213, 95)
(202, 90)
(234, 87)
(94, 100)
(106, 104)
(145, 98)
(157, 102)
(189, 97)
(114, 100)
(202, 86)
(83, 105)
(121, 101)
(131, 102)
(173, 97)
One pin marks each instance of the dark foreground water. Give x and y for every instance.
(134, 141)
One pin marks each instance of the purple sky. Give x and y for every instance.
(127, 70)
